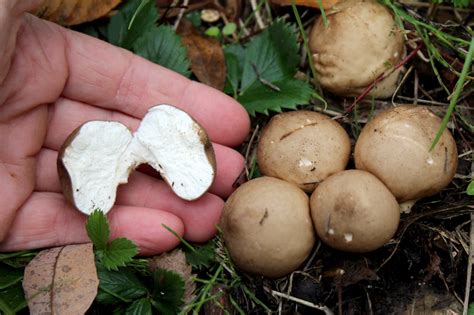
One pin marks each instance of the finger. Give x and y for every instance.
(46, 220)
(200, 216)
(116, 79)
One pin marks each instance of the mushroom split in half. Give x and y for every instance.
(303, 147)
(267, 227)
(361, 42)
(99, 155)
(395, 147)
(353, 211)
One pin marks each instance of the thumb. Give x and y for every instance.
(11, 12)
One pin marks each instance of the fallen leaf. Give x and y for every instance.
(61, 280)
(205, 54)
(176, 261)
(72, 12)
(327, 4)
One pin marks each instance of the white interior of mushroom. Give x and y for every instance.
(94, 164)
(102, 155)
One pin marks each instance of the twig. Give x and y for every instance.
(323, 308)
(180, 14)
(383, 76)
(258, 17)
(469, 267)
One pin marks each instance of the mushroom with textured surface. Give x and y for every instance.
(99, 155)
(353, 211)
(303, 147)
(267, 227)
(361, 42)
(395, 147)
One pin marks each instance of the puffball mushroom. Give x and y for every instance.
(99, 155)
(303, 147)
(395, 147)
(353, 211)
(267, 227)
(361, 42)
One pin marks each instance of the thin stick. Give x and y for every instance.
(469, 267)
(258, 16)
(323, 308)
(383, 76)
(181, 14)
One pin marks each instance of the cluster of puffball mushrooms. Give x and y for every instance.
(270, 224)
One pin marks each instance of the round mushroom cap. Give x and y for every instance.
(267, 227)
(353, 211)
(361, 42)
(303, 147)
(395, 147)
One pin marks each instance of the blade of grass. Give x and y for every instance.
(308, 51)
(323, 13)
(457, 92)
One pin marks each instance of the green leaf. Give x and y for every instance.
(163, 46)
(122, 32)
(98, 229)
(168, 291)
(119, 252)
(12, 299)
(139, 307)
(229, 28)
(260, 98)
(272, 55)
(213, 31)
(119, 286)
(234, 59)
(470, 188)
(9, 276)
(200, 256)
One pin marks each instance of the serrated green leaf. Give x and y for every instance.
(12, 299)
(200, 256)
(272, 55)
(168, 291)
(163, 46)
(98, 229)
(122, 32)
(139, 307)
(119, 252)
(119, 286)
(9, 276)
(234, 58)
(470, 188)
(260, 98)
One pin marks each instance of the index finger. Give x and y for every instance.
(113, 78)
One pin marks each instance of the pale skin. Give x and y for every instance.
(52, 80)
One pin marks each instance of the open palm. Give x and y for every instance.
(51, 81)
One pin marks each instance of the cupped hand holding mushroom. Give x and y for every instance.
(77, 78)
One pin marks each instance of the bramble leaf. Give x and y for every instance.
(168, 291)
(119, 252)
(260, 98)
(132, 20)
(119, 286)
(98, 229)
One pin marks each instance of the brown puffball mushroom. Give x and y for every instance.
(267, 227)
(353, 211)
(99, 155)
(361, 42)
(395, 147)
(303, 147)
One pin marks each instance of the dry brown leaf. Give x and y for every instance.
(205, 54)
(176, 261)
(61, 280)
(72, 12)
(308, 3)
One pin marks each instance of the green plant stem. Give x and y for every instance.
(308, 51)
(323, 13)
(457, 92)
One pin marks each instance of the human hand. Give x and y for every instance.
(51, 81)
